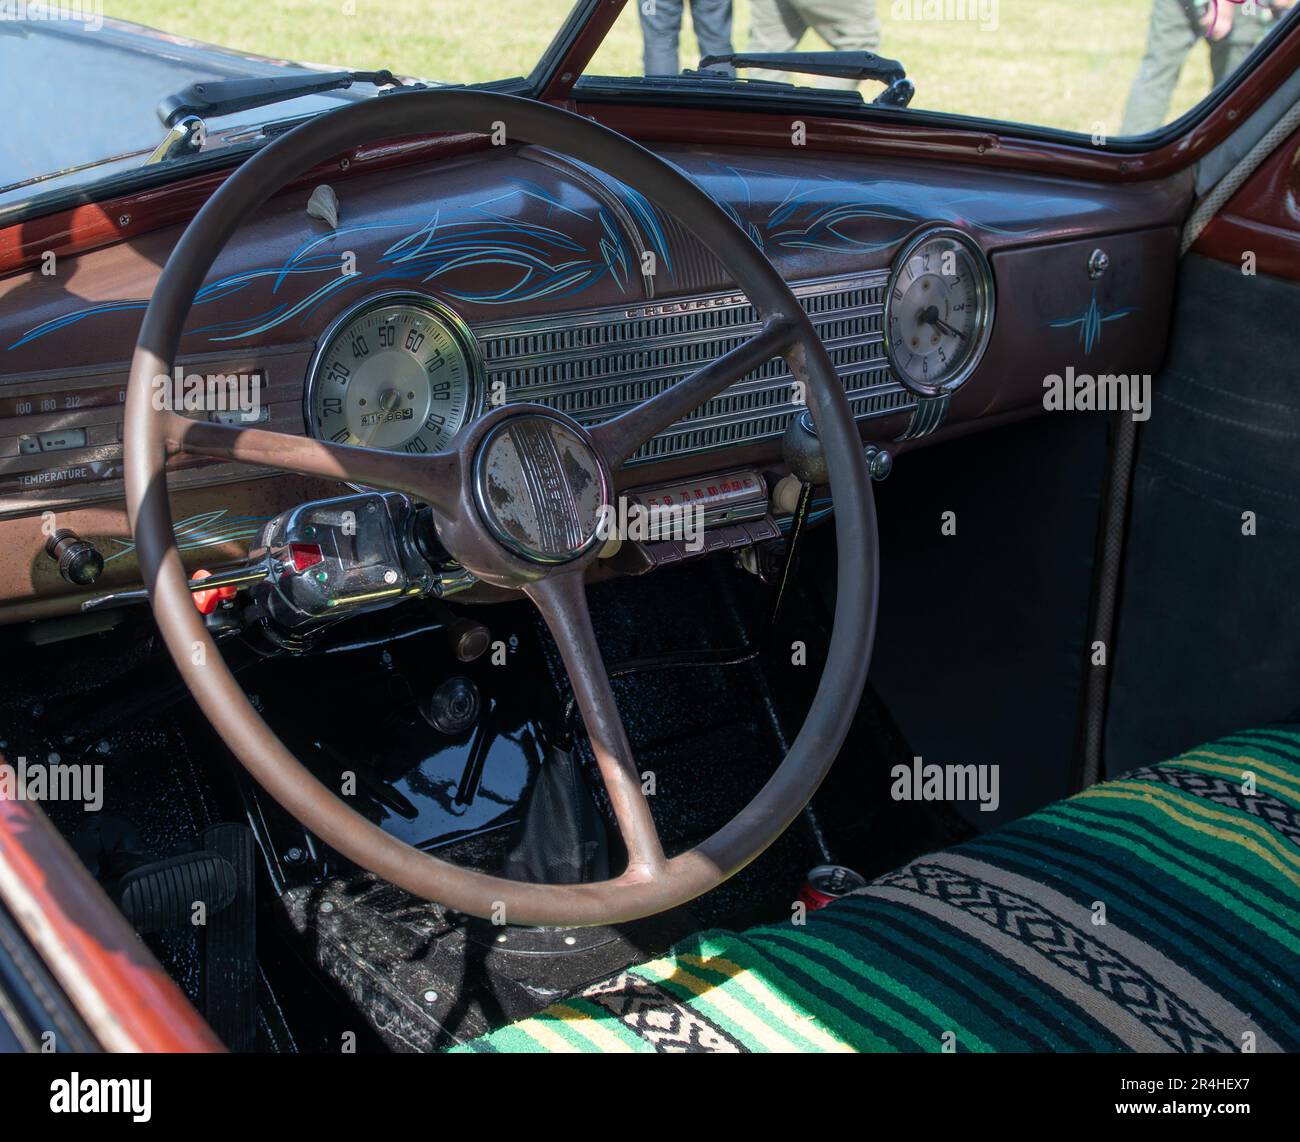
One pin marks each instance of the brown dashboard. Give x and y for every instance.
(576, 293)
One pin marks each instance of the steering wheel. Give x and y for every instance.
(516, 499)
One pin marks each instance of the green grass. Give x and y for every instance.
(1058, 63)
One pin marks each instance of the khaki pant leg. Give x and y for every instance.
(1172, 34)
(774, 26)
(846, 26)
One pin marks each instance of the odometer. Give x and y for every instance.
(399, 372)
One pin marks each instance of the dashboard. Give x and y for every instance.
(944, 294)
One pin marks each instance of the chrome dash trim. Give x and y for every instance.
(593, 364)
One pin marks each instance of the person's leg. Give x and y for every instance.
(1172, 34)
(661, 28)
(774, 26)
(847, 26)
(712, 22)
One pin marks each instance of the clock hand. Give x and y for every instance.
(930, 316)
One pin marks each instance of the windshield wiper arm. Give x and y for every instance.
(214, 97)
(839, 65)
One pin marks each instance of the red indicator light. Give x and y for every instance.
(305, 555)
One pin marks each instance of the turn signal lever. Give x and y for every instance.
(213, 584)
(328, 559)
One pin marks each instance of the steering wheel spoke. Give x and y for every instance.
(617, 439)
(562, 600)
(433, 479)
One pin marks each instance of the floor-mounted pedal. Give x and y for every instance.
(230, 944)
(162, 894)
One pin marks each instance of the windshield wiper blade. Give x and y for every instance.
(214, 97)
(838, 65)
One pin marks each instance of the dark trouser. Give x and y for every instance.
(1173, 33)
(661, 26)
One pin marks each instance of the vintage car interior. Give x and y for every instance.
(671, 563)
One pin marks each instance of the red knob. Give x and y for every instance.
(207, 601)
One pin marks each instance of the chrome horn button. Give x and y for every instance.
(541, 487)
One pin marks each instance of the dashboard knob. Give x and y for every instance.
(79, 563)
(880, 462)
(785, 496)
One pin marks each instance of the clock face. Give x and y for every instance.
(938, 311)
(399, 373)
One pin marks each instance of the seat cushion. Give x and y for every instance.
(1156, 912)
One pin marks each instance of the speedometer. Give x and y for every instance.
(938, 311)
(397, 371)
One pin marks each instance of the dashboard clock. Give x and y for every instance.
(396, 371)
(938, 311)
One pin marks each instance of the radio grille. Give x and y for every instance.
(595, 364)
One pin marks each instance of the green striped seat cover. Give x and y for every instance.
(1156, 912)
